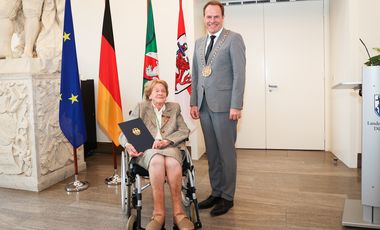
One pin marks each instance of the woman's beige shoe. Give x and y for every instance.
(155, 223)
(182, 222)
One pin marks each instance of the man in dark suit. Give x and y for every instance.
(218, 79)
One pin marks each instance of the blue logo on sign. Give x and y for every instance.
(377, 104)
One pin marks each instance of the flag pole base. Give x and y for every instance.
(113, 180)
(76, 186)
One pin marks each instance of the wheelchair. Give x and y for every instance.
(132, 188)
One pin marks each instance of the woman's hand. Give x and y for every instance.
(132, 151)
(160, 144)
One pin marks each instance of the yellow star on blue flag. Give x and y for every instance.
(66, 36)
(73, 98)
(71, 116)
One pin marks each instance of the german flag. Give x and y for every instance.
(109, 111)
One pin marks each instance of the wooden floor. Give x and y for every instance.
(275, 190)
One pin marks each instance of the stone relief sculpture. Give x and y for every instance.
(15, 156)
(32, 29)
(55, 150)
(34, 153)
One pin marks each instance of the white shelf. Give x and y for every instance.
(348, 85)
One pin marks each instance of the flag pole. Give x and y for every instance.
(115, 178)
(71, 116)
(76, 185)
(109, 110)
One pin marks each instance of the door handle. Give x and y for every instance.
(273, 86)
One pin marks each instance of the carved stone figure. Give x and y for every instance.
(37, 25)
(49, 41)
(32, 13)
(14, 13)
(8, 14)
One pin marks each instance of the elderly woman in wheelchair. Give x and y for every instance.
(164, 160)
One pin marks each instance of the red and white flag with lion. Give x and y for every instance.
(182, 75)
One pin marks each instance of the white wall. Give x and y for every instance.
(129, 27)
(326, 20)
(349, 21)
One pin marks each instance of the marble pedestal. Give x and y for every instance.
(34, 154)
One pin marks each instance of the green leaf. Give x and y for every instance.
(373, 61)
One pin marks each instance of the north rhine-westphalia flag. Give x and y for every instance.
(182, 75)
(109, 111)
(71, 116)
(151, 57)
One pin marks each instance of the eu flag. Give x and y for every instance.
(71, 116)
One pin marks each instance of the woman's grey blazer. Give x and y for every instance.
(173, 127)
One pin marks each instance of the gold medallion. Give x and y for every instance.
(136, 131)
(206, 71)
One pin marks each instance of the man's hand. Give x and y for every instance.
(235, 114)
(194, 112)
(132, 151)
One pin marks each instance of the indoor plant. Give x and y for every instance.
(372, 61)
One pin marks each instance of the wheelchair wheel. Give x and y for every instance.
(190, 211)
(123, 184)
(184, 192)
(125, 188)
(132, 223)
(188, 201)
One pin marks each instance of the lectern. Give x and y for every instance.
(366, 213)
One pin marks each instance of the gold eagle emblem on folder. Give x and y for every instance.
(136, 131)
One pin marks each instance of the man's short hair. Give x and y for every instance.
(214, 3)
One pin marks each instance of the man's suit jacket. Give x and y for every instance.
(173, 127)
(224, 88)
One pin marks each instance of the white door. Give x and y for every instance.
(248, 20)
(284, 102)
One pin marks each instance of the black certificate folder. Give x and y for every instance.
(137, 134)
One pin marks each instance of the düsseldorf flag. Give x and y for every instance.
(182, 75)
